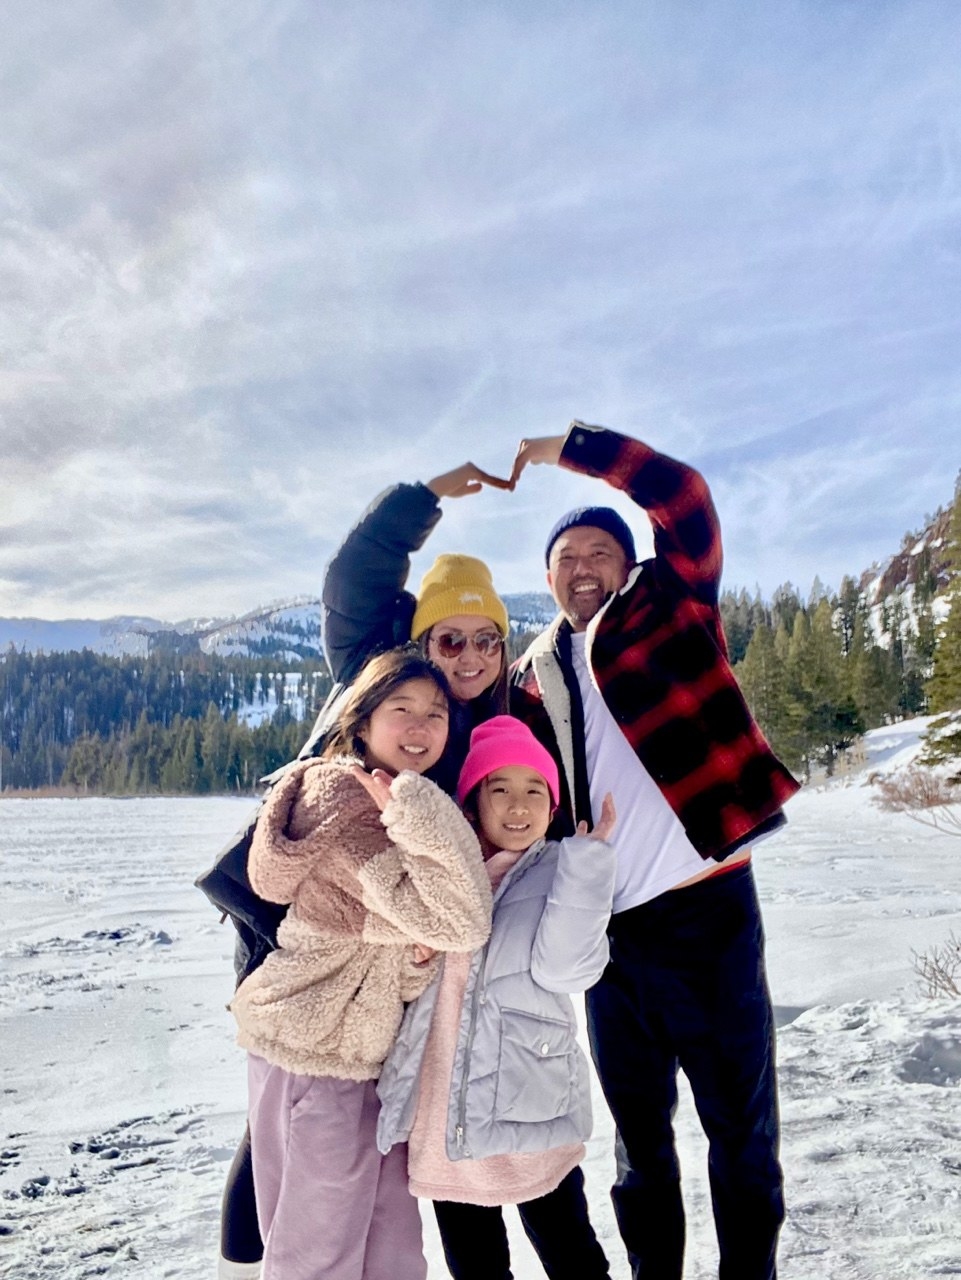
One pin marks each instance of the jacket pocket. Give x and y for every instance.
(537, 1068)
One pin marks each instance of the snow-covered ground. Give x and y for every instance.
(123, 1094)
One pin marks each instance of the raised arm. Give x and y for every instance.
(676, 498)
(365, 607)
(570, 947)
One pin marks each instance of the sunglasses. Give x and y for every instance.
(451, 644)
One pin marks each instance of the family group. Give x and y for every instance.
(464, 844)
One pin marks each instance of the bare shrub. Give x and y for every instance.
(925, 796)
(934, 801)
(940, 968)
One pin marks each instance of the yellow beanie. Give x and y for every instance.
(454, 585)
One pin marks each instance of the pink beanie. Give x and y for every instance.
(503, 741)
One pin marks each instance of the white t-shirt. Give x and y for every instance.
(653, 851)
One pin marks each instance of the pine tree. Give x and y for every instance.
(944, 687)
(736, 617)
(214, 747)
(761, 676)
(835, 721)
(943, 739)
(851, 611)
(785, 605)
(85, 764)
(872, 682)
(925, 590)
(189, 763)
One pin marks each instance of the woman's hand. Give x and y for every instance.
(606, 825)
(422, 953)
(376, 784)
(534, 452)
(463, 480)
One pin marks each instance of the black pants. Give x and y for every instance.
(475, 1238)
(239, 1233)
(686, 987)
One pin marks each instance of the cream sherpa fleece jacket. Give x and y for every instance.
(362, 887)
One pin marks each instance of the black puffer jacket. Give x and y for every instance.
(366, 609)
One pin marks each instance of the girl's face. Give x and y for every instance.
(513, 809)
(469, 651)
(408, 730)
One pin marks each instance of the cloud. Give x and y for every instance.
(261, 260)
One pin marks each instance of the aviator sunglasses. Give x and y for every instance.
(451, 644)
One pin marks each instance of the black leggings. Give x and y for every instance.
(239, 1231)
(475, 1238)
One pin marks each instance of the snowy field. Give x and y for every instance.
(123, 1094)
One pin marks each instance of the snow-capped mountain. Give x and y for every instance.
(289, 630)
(919, 571)
(286, 630)
(921, 554)
(114, 636)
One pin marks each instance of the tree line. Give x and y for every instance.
(164, 723)
(816, 677)
(817, 673)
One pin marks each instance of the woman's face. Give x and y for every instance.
(408, 730)
(469, 651)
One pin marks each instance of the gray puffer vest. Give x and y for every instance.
(520, 1079)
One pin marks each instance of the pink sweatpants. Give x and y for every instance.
(330, 1206)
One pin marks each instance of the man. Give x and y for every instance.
(631, 688)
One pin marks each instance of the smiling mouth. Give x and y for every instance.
(413, 750)
(583, 588)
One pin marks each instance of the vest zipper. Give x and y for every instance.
(465, 1073)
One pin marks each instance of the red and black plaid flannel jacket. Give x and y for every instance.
(660, 660)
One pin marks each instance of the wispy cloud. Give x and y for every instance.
(260, 260)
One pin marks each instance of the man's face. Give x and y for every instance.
(586, 566)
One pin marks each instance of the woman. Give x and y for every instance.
(462, 625)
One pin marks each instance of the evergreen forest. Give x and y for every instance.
(165, 724)
(817, 672)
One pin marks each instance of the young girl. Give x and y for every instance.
(372, 858)
(486, 1080)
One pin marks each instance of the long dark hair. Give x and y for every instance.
(493, 701)
(378, 679)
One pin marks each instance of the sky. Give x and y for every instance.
(260, 259)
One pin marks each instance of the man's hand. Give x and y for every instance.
(376, 784)
(543, 449)
(463, 480)
(606, 825)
